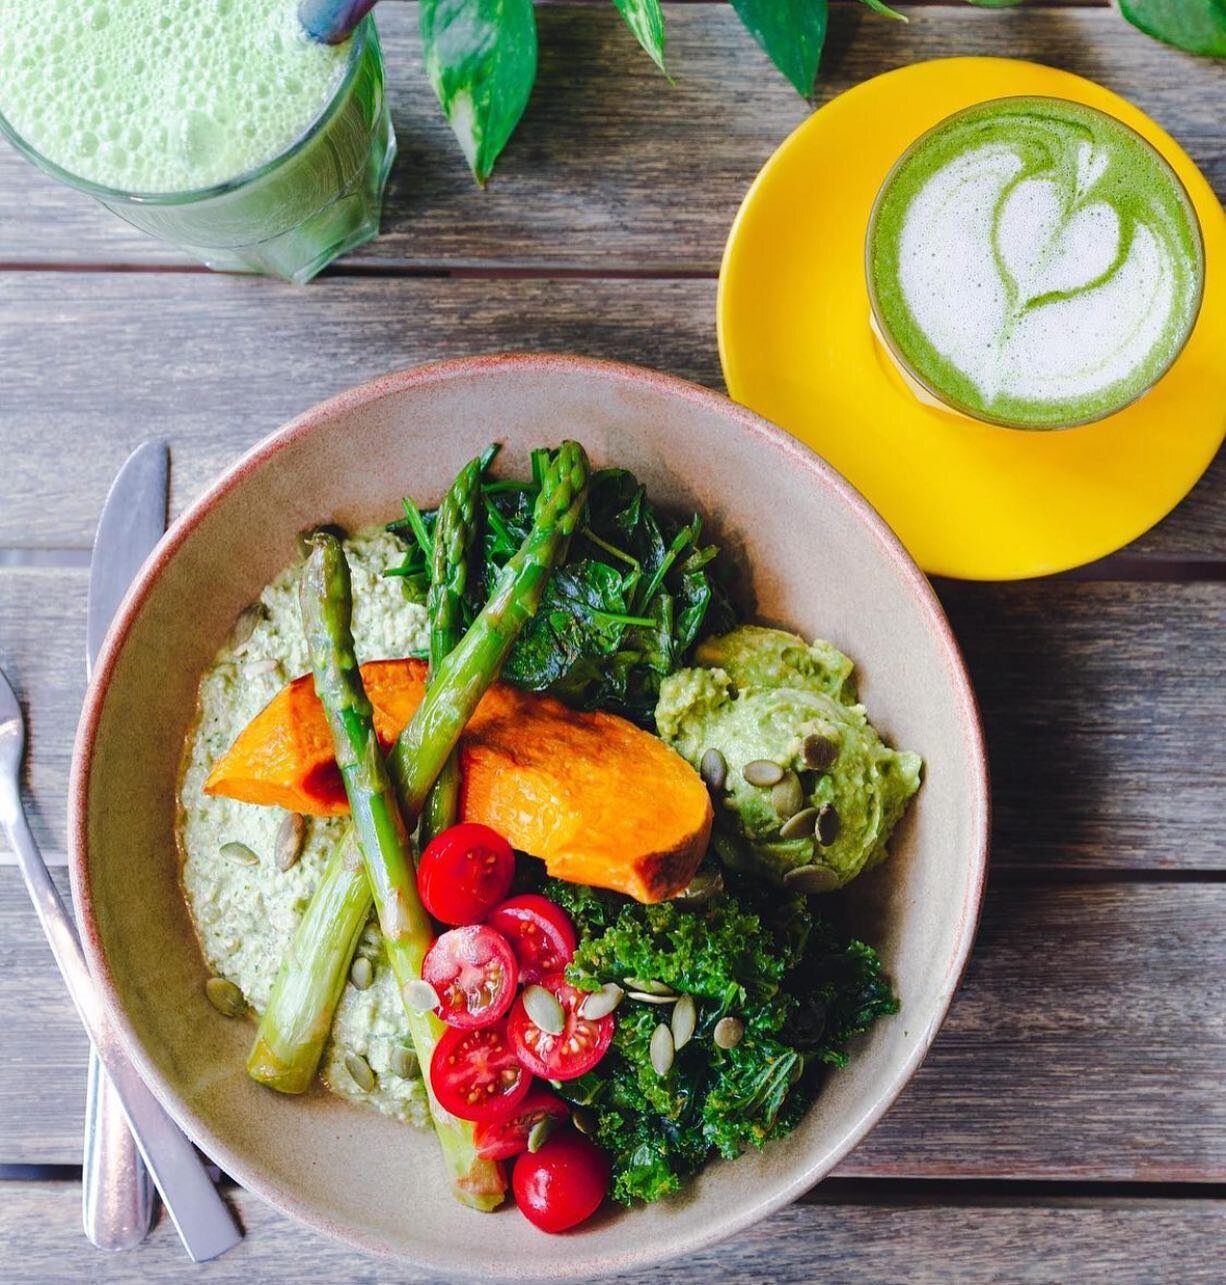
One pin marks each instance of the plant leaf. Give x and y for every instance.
(481, 59)
(880, 6)
(1199, 26)
(791, 32)
(646, 19)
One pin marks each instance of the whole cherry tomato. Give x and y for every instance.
(563, 1183)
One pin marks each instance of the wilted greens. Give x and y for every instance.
(637, 591)
(800, 990)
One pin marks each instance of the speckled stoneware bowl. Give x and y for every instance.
(813, 556)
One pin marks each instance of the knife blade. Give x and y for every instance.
(132, 522)
(117, 1193)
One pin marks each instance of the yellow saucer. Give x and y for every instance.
(967, 499)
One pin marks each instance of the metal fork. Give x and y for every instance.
(206, 1226)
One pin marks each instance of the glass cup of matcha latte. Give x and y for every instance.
(217, 125)
(1033, 263)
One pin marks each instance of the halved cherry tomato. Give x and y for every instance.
(563, 1183)
(502, 1139)
(464, 872)
(474, 971)
(475, 1074)
(582, 1043)
(540, 933)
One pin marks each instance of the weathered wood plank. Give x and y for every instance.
(1088, 1042)
(214, 363)
(835, 1238)
(1092, 694)
(1102, 705)
(612, 168)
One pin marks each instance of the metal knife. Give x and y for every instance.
(117, 1192)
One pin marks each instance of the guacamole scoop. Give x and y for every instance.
(765, 697)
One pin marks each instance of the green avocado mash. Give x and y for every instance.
(763, 695)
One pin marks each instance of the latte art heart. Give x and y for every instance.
(1034, 262)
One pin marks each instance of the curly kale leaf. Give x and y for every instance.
(771, 961)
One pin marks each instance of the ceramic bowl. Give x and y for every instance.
(812, 555)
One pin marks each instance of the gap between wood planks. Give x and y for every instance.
(946, 1192)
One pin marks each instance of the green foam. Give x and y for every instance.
(159, 96)
(1052, 257)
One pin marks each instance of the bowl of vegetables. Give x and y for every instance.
(529, 782)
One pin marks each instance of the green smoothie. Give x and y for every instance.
(215, 124)
(1034, 262)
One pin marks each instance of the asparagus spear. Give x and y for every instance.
(292, 1032)
(327, 607)
(462, 678)
(312, 976)
(454, 529)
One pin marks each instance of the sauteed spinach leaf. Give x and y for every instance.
(638, 590)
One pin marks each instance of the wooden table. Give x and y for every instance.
(1069, 1123)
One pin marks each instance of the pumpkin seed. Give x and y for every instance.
(662, 1050)
(704, 885)
(651, 987)
(258, 668)
(244, 626)
(728, 1032)
(372, 935)
(714, 770)
(291, 834)
(225, 997)
(583, 1119)
(602, 1002)
(543, 1008)
(420, 996)
(685, 1020)
(810, 878)
(239, 853)
(403, 1062)
(818, 752)
(644, 998)
(788, 797)
(538, 1135)
(359, 1071)
(828, 824)
(362, 973)
(799, 826)
(762, 772)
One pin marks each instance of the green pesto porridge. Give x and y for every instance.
(245, 913)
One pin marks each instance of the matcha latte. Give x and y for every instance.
(1033, 262)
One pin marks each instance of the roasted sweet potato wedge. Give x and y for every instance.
(599, 800)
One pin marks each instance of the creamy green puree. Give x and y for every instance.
(762, 696)
(245, 915)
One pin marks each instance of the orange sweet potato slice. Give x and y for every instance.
(599, 800)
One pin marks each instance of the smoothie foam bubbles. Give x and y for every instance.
(161, 96)
(1034, 262)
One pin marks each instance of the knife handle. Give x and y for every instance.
(117, 1195)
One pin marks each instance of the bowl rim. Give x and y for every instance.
(579, 1265)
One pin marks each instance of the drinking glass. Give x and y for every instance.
(290, 217)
